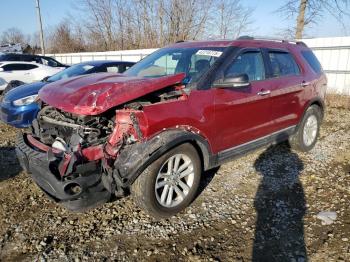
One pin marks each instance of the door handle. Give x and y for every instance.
(264, 92)
(304, 84)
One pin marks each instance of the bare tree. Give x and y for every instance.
(99, 23)
(121, 24)
(309, 12)
(132, 24)
(233, 18)
(182, 19)
(63, 39)
(13, 36)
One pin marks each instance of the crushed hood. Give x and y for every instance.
(95, 94)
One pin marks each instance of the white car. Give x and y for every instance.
(26, 72)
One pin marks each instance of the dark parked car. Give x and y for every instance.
(18, 108)
(45, 60)
(180, 111)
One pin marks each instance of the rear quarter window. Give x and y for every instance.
(312, 60)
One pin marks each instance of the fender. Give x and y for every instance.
(315, 101)
(135, 158)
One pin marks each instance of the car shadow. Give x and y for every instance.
(9, 165)
(280, 205)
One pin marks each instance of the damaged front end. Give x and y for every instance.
(81, 161)
(72, 157)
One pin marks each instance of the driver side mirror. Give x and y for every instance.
(1, 69)
(236, 81)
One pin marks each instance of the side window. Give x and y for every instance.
(98, 69)
(283, 64)
(15, 67)
(29, 67)
(127, 66)
(105, 69)
(250, 63)
(312, 61)
(38, 60)
(122, 68)
(112, 69)
(49, 62)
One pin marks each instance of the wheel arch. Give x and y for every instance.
(318, 102)
(134, 160)
(315, 101)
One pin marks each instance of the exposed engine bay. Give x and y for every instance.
(52, 124)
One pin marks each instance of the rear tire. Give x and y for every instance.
(163, 189)
(308, 130)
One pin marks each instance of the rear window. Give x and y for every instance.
(312, 61)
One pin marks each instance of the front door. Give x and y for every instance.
(243, 114)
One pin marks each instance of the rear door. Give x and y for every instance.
(286, 86)
(243, 114)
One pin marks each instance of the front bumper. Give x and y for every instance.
(77, 193)
(18, 116)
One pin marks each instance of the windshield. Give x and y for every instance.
(194, 62)
(75, 70)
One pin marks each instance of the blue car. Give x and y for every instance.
(18, 108)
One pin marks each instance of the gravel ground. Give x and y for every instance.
(264, 206)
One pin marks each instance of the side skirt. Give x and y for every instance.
(237, 151)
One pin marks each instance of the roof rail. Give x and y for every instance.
(245, 37)
(179, 41)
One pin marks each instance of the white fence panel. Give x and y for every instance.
(127, 55)
(334, 55)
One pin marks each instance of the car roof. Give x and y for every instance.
(259, 43)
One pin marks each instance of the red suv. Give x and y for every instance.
(182, 110)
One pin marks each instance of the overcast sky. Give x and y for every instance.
(22, 14)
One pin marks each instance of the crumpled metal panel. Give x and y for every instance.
(95, 94)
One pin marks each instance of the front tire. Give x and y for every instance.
(308, 131)
(170, 183)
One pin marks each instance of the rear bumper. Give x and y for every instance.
(77, 193)
(19, 117)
